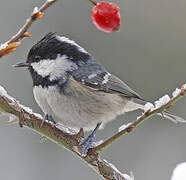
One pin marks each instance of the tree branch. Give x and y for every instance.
(15, 41)
(69, 139)
(63, 136)
(146, 115)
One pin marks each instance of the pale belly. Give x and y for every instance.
(80, 108)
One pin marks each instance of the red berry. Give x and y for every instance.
(106, 16)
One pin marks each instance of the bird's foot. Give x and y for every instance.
(48, 118)
(79, 135)
(87, 143)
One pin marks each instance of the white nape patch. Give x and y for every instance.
(53, 68)
(179, 172)
(65, 39)
(106, 78)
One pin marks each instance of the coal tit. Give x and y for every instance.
(75, 89)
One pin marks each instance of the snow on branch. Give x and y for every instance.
(150, 110)
(64, 136)
(179, 172)
(70, 139)
(15, 41)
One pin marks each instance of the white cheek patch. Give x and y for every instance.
(64, 39)
(53, 68)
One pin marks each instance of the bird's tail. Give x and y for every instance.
(169, 115)
(172, 117)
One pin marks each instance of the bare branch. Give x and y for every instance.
(37, 14)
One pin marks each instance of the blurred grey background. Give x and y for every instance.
(148, 53)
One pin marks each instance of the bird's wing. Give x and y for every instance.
(101, 80)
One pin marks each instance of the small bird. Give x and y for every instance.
(74, 89)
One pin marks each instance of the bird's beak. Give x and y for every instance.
(21, 64)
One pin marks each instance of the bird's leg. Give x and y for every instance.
(79, 135)
(87, 143)
(48, 118)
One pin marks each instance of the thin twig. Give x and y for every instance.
(21, 34)
(30, 21)
(93, 2)
(139, 121)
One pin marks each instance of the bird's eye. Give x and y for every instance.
(37, 58)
